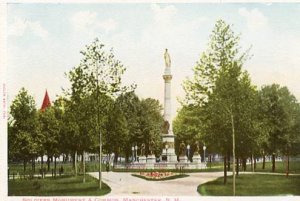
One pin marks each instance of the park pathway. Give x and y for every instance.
(126, 184)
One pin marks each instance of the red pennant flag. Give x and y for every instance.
(46, 102)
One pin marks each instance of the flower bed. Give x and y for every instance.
(156, 176)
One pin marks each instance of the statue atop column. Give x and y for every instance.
(167, 59)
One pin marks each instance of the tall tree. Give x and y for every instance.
(186, 126)
(130, 105)
(22, 135)
(117, 138)
(144, 121)
(98, 75)
(223, 92)
(49, 129)
(280, 110)
(151, 121)
(230, 113)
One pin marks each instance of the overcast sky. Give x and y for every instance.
(44, 41)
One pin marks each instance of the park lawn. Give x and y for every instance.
(61, 186)
(253, 185)
(280, 167)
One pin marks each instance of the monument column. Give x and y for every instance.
(167, 133)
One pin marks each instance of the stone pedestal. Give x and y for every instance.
(170, 152)
(151, 159)
(183, 159)
(142, 159)
(196, 158)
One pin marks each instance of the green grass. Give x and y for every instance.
(61, 186)
(163, 179)
(68, 168)
(253, 185)
(280, 167)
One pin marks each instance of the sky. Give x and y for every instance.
(44, 42)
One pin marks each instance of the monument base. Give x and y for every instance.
(151, 159)
(183, 159)
(196, 158)
(142, 159)
(169, 139)
(171, 158)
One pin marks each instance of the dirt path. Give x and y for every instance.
(126, 184)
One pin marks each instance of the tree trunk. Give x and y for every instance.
(237, 166)
(116, 157)
(288, 164)
(225, 170)
(264, 162)
(48, 162)
(252, 167)
(254, 163)
(42, 166)
(273, 162)
(32, 164)
(83, 163)
(24, 165)
(244, 161)
(55, 166)
(42, 162)
(233, 151)
(228, 161)
(75, 163)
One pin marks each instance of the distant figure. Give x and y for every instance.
(167, 59)
(182, 149)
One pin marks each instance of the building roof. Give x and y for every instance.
(46, 102)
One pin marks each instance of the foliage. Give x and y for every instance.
(280, 113)
(224, 95)
(232, 95)
(222, 49)
(151, 122)
(22, 129)
(49, 129)
(187, 126)
(95, 82)
(142, 123)
(117, 129)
